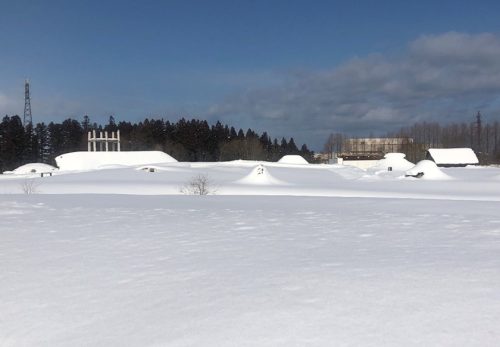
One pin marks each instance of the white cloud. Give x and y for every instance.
(438, 77)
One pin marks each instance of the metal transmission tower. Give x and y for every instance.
(27, 105)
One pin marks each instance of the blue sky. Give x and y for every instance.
(293, 68)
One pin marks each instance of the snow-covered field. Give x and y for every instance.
(291, 255)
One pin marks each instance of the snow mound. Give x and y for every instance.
(149, 168)
(99, 160)
(346, 171)
(427, 169)
(396, 161)
(159, 168)
(292, 159)
(32, 168)
(260, 176)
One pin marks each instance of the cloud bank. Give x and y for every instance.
(446, 77)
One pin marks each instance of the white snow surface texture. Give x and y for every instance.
(320, 255)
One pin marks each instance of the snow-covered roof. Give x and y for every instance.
(453, 156)
(99, 160)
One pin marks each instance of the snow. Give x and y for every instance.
(255, 271)
(282, 255)
(453, 156)
(429, 170)
(292, 159)
(32, 168)
(287, 179)
(396, 161)
(98, 160)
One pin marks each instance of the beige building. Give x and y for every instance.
(375, 145)
(366, 152)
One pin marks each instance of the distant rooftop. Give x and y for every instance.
(452, 156)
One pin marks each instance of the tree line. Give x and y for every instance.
(483, 138)
(185, 140)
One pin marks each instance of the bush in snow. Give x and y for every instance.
(29, 186)
(199, 185)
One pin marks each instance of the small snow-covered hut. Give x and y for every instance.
(452, 157)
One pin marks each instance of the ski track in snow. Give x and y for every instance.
(118, 270)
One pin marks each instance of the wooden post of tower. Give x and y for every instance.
(118, 137)
(103, 141)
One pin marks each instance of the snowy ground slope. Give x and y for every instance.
(235, 178)
(118, 270)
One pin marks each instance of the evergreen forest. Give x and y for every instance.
(185, 140)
